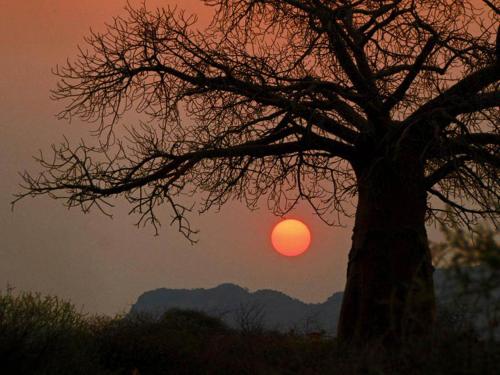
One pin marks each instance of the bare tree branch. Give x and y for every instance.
(282, 99)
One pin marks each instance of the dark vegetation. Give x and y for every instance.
(44, 335)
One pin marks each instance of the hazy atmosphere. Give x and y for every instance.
(249, 187)
(103, 264)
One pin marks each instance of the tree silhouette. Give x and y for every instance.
(382, 103)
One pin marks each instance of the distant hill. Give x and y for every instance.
(271, 309)
(243, 309)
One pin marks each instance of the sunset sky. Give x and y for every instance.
(103, 264)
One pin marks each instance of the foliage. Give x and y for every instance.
(45, 335)
(472, 262)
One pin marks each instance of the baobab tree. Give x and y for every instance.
(392, 105)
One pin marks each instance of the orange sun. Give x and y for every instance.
(291, 237)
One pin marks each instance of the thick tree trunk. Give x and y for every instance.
(389, 293)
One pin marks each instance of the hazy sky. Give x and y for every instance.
(105, 264)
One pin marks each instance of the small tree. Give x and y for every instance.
(390, 102)
(472, 265)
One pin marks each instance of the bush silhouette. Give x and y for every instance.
(44, 335)
(193, 322)
(154, 345)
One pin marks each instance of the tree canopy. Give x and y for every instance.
(281, 99)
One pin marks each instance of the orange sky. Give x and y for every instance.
(105, 264)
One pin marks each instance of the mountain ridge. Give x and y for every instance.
(237, 306)
(271, 309)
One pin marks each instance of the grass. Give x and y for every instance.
(45, 335)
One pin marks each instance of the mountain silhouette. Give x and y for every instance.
(270, 309)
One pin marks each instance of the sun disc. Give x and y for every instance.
(291, 237)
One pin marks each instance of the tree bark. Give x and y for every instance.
(389, 293)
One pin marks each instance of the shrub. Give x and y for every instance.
(43, 335)
(171, 343)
